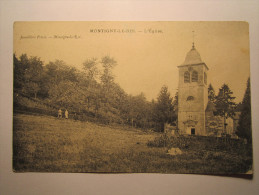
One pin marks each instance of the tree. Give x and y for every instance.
(224, 103)
(32, 88)
(90, 67)
(27, 75)
(16, 73)
(108, 64)
(175, 104)
(244, 129)
(163, 108)
(138, 110)
(20, 66)
(107, 78)
(58, 71)
(33, 76)
(91, 72)
(211, 93)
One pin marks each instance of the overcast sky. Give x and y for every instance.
(146, 61)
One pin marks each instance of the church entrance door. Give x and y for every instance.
(192, 131)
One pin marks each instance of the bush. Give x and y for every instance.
(161, 141)
(197, 143)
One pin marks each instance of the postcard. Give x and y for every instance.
(132, 97)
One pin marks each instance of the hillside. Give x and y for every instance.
(49, 144)
(44, 143)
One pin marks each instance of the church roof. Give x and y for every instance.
(193, 57)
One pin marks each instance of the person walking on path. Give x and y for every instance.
(60, 113)
(66, 114)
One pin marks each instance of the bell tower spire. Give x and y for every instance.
(192, 94)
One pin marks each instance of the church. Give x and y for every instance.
(195, 111)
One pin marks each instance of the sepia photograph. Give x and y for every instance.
(132, 97)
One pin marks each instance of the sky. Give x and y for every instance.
(147, 53)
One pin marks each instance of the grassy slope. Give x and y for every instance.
(48, 144)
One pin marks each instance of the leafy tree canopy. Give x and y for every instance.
(211, 93)
(244, 128)
(224, 102)
(164, 107)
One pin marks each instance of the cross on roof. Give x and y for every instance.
(193, 39)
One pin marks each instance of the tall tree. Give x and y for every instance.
(91, 72)
(164, 108)
(244, 129)
(20, 66)
(175, 104)
(138, 110)
(211, 93)
(90, 67)
(107, 78)
(224, 103)
(18, 73)
(108, 64)
(27, 75)
(33, 76)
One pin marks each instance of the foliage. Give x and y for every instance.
(225, 106)
(164, 112)
(108, 64)
(244, 129)
(91, 91)
(211, 93)
(28, 73)
(90, 67)
(224, 102)
(175, 106)
(160, 141)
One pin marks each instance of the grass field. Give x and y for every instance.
(48, 144)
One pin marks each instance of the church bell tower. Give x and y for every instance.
(192, 94)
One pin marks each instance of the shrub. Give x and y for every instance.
(161, 141)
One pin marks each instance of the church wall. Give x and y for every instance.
(215, 125)
(182, 116)
(192, 109)
(195, 89)
(200, 68)
(196, 121)
(200, 127)
(230, 127)
(205, 92)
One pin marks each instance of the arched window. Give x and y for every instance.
(194, 76)
(187, 77)
(190, 98)
(205, 78)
